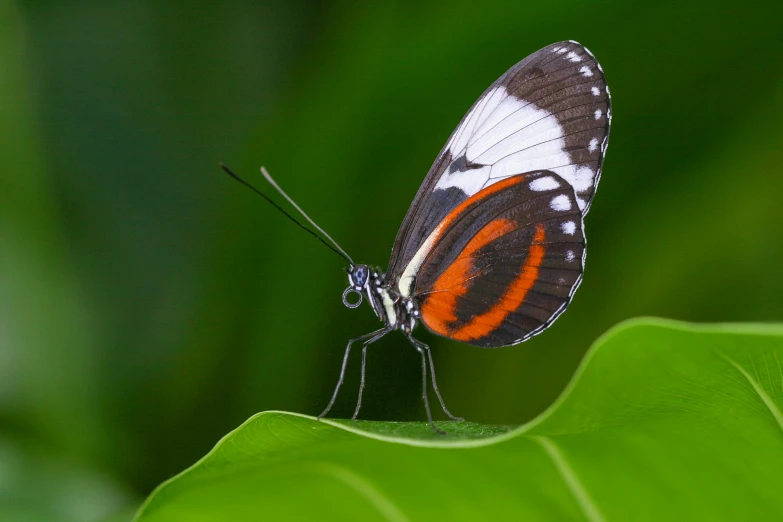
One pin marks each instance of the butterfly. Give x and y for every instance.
(492, 248)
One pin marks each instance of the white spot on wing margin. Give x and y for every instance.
(560, 202)
(545, 183)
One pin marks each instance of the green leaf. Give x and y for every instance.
(663, 420)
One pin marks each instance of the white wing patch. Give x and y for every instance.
(504, 136)
(560, 202)
(469, 181)
(529, 126)
(545, 183)
(484, 108)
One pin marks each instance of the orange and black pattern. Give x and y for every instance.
(506, 262)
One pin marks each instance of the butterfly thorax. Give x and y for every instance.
(394, 310)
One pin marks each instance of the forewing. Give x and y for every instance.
(505, 263)
(551, 111)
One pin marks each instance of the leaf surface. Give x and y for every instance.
(663, 420)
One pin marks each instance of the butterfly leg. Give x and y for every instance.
(364, 365)
(342, 370)
(424, 389)
(426, 348)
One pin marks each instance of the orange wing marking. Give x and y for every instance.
(409, 274)
(488, 191)
(439, 311)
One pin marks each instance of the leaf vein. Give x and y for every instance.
(363, 487)
(571, 480)
(763, 395)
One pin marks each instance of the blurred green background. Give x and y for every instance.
(147, 299)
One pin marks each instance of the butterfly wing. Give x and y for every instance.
(504, 263)
(551, 111)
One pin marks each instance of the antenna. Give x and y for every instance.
(338, 250)
(322, 231)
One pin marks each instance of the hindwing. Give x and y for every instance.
(503, 264)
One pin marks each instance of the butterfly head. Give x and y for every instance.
(358, 278)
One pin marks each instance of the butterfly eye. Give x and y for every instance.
(347, 302)
(359, 276)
